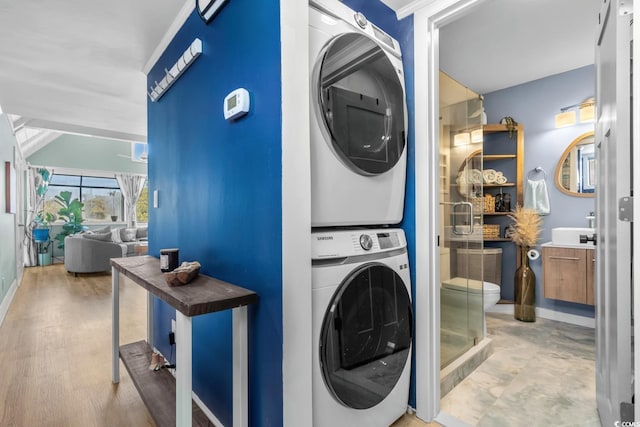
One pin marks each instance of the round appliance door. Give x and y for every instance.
(362, 104)
(366, 336)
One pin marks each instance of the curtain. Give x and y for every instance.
(131, 187)
(37, 184)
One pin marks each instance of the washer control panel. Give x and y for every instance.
(366, 242)
(345, 243)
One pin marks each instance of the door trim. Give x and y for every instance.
(427, 23)
(636, 201)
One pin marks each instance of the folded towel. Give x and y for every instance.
(536, 196)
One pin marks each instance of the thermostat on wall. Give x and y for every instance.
(236, 104)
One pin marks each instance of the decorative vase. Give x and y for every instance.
(524, 308)
(114, 218)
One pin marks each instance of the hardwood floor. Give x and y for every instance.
(56, 352)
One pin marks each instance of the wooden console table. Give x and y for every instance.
(203, 295)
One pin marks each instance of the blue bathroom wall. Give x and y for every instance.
(402, 31)
(535, 104)
(219, 192)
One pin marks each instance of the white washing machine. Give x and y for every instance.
(358, 120)
(362, 327)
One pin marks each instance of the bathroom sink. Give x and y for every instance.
(571, 235)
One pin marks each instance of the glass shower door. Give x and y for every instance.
(461, 207)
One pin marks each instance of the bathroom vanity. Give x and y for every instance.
(568, 272)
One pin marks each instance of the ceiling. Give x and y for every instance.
(77, 66)
(503, 43)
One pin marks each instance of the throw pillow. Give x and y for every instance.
(128, 234)
(142, 233)
(115, 236)
(104, 229)
(104, 237)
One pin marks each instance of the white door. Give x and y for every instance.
(614, 386)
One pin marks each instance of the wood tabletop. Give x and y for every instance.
(203, 295)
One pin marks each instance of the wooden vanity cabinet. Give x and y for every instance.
(568, 274)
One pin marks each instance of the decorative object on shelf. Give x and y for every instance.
(511, 125)
(208, 9)
(491, 231)
(489, 176)
(501, 179)
(508, 231)
(171, 75)
(525, 235)
(169, 259)
(478, 204)
(503, 202)
(183, 274)
(476, 176)
(489, 203)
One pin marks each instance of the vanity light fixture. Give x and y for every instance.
(171, 75)
(588, 110)
(476, 136)
(567, 115)
(461, 138)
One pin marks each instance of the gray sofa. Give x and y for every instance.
(91, 252)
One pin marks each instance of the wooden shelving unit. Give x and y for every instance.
(505, 153)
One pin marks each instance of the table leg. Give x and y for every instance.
(115, 325)
(150, 319)
(240, 367)
(183, 370)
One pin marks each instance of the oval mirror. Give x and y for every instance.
(576, 170)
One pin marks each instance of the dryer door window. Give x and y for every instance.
(362, 104)
(366, 336)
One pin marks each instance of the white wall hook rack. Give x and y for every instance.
(172, 74)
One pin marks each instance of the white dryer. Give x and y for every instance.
(362, 327)
(358, 119)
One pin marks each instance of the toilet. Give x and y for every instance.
(458, 293)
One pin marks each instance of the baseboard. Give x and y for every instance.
(207, 412)
(8, 298)
(546, 313)
(449, 420)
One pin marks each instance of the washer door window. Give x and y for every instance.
(362, 104)
(366, 336)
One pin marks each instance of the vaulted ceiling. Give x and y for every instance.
(78, 66)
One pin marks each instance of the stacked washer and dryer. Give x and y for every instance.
(362, 313)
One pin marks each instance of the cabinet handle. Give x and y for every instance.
(568, 258)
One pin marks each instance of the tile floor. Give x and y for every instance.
(540, 374)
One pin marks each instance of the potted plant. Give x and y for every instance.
(510, 124)
(71, 213)
(114, 217)
(42, 226)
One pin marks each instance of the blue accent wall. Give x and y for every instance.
(219, 187)
(535, 104)
(385, 18)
